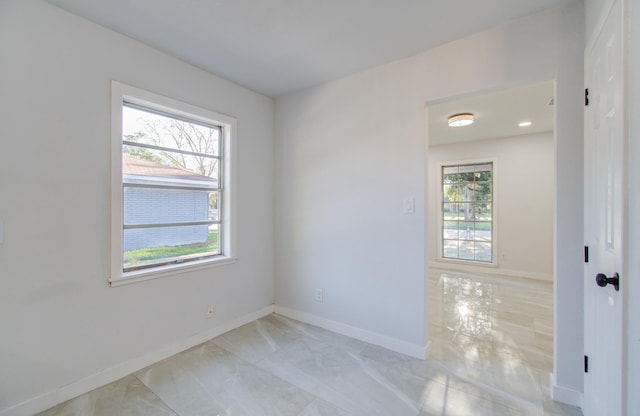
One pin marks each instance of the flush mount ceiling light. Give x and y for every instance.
(459, 120)
(524, 124)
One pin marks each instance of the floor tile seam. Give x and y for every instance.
(318, 382)
(531, 361)
(241, 361)
(319, 399)
(313, 399)
(175, 412)
(487, 388)
(504, 402)
(236, 355)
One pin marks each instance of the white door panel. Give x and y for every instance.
(604, 214)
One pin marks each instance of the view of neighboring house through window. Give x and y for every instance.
(467, 221)
(171, 188)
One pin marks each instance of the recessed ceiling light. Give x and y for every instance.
(525, 124)
(459, 120)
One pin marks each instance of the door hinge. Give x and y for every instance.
(586, 254)
(586, 96)
(586, 363)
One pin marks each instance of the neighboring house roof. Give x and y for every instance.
(140, 167)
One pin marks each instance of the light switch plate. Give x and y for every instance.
(408, 206)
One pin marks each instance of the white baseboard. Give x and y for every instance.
(394, 344)
(109, 375)
(563, 394)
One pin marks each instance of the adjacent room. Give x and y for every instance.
(248, 208)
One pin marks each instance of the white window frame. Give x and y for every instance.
(121, 93)
(494, 213)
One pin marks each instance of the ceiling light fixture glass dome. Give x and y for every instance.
(460, 120)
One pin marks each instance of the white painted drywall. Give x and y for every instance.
(59, 320)
(349, 152)
(524, 179)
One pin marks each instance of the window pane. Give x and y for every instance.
(141, 164)
(450, 249)
(149, 128)
(450, 211)
(451, 193)
(161, 245)
(483, 251)
(466, 192)
(467, 231)
(483, 231)
(467, 251)
(166, 205)
(466, 177)
(465, 211)
(482, 211)
(450, 230)
(483, 176)
(482, 191)
(213, 206)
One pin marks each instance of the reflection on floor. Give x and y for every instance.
(491, 355)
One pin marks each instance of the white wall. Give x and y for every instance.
(59, 320)
(348, 153)
(524, 194)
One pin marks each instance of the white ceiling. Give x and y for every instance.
(279, 46)
(497, 114)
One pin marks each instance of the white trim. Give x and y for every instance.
(564, 395)
(394, 344)
(121, 92)
(109, 375)
(138, 276)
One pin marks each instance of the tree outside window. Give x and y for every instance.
(467, 215)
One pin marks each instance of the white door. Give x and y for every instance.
(604, 215)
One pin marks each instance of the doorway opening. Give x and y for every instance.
(490, 238)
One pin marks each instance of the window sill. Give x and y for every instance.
(466, 262)
(167, 271)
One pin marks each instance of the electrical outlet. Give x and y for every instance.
(319, 297)
(209, 313)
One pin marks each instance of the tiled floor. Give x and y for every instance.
(491, 355)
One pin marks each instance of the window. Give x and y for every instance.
(171, 186)
(467, 214)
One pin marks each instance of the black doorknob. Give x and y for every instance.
(602, 280)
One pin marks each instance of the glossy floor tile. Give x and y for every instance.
(491, 354)
(127, 396)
